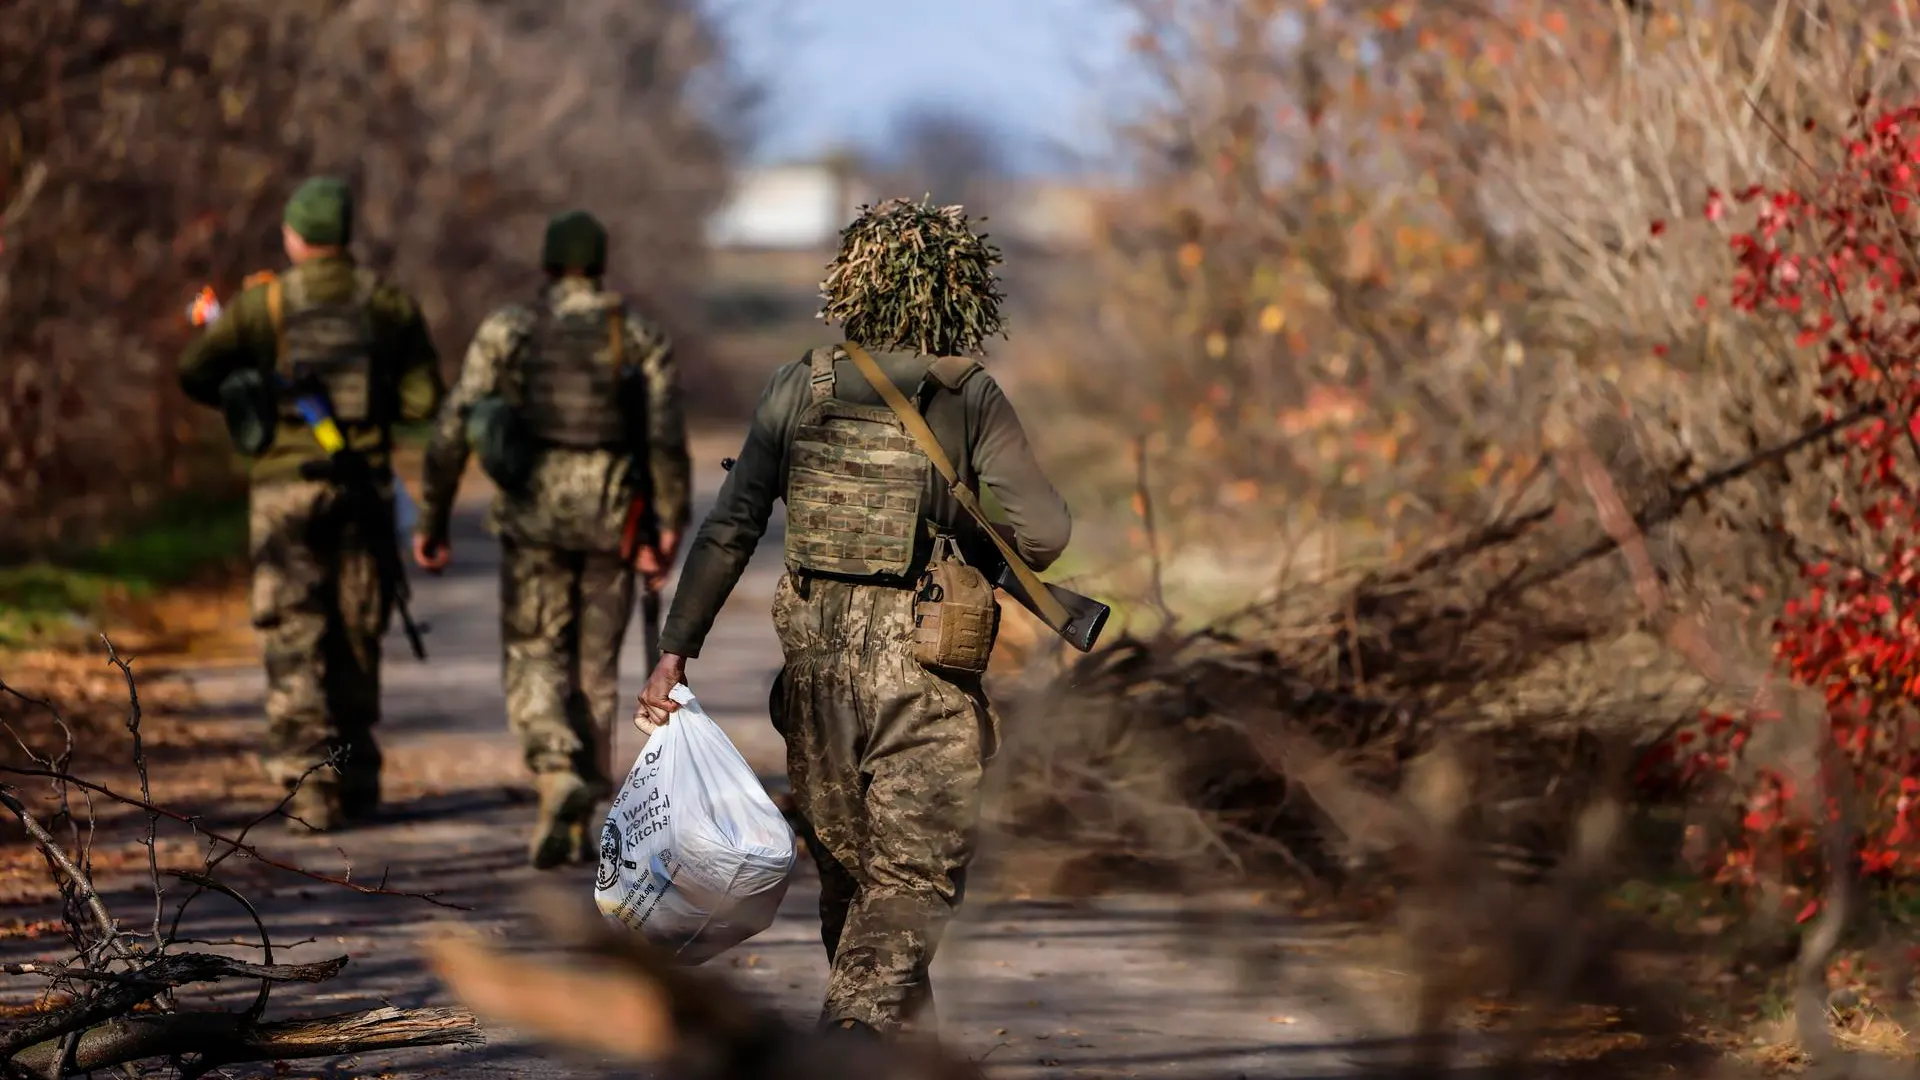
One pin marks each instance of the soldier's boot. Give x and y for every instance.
(852, 1028)
(565, 800)
(314, 806)
(583, 845)
(585, 848)
(359, 795)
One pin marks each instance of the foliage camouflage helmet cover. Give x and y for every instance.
(914, 276)
(575, 240)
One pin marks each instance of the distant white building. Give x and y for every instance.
(803, 207)
(787, 207)
(1053, 215)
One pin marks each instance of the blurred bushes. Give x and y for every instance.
(146, 147)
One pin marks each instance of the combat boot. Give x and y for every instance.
(583, 844)
(565, 801)
(359, 795)
(856, 1029)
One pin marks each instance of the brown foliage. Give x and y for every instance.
(1384, 265)
(146, 148)
(1397, 283)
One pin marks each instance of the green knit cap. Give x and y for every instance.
(575, 241)
(321, 211)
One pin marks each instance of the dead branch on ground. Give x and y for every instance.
(118, 985)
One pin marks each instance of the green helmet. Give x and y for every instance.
(575, 241)
(914, 276)
(320, 211)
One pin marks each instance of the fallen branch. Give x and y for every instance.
(215, 1039)
(77, 880)
(119, 1005)
(125, 990)
(183, 968)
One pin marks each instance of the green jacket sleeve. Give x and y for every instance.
(410, 348)
(241, 338)
(738, 520)
(668, 460)
(1006, 464)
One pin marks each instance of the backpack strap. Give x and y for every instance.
(916, 425)
(276, 316)
(365, 284)
(524, 319)
(820, 361)
(617, 334)
(952, 371)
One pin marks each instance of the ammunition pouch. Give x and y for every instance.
(252, 411)
(955, 616)
(500, 439)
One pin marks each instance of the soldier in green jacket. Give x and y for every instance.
(318, 599)
(885, 755)
(587, 392)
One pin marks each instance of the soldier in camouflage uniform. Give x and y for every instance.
(318, 599)
(885, 756)
(566, 587)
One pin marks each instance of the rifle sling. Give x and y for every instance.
(1049, 608)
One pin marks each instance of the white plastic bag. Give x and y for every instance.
(694, 855)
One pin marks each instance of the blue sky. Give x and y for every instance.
(837, 71)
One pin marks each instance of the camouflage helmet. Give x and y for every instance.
(914, 276)
(577, 241)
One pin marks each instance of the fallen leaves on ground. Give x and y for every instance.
(18, 929)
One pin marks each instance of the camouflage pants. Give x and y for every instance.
(320, 611)
(563, 618)
(885, 759)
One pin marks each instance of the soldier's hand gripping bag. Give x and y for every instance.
(694, 855)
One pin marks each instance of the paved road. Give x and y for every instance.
(1113, 989)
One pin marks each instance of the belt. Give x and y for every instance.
(885, 581)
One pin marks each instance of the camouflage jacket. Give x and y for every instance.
(576, 499)
(976, 426)
(243, 337)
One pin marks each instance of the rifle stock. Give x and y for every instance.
(641, 530)
(1086, 617)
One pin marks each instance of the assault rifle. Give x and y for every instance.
(1085, 616)
(352, 471)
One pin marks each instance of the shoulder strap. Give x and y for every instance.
(365, 284)
(820, 361)
(521, 320)
(916, 424)
(952, 371)
(617, 334)
(276, 315)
